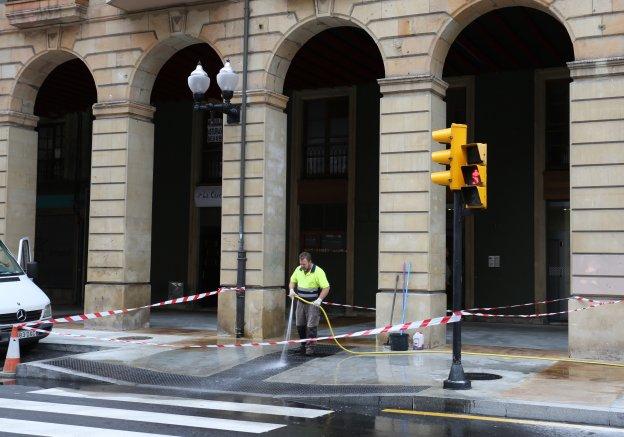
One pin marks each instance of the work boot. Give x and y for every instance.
(302, 334)
(309, 348)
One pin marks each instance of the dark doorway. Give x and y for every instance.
(505, 56)
(186, 232)
(64, 107)
(333, 148)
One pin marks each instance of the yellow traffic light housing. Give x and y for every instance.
(474, 172)
(456, 136)
(441, 177)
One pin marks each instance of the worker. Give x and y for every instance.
(312, 285)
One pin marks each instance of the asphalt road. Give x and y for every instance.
(47, 408)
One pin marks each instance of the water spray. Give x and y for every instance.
(288, 328)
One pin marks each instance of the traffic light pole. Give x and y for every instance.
(457, 378)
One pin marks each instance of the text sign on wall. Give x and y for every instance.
(494, 261)
(207, 196)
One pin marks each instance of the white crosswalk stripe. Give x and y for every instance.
(277, 410)
(30, 427)
(71, 412)
(142, 416)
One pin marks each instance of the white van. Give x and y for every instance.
(20, 299)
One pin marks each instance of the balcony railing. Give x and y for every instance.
(34, 13)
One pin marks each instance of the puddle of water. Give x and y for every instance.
(582, 372)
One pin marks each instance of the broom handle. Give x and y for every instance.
(396, 285)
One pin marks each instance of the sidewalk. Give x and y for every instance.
(530, 388)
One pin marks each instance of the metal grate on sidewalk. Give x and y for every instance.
(249, 377)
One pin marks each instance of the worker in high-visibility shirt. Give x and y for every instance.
(312, 285)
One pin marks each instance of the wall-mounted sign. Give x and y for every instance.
(215, 130)
(494, 261)
(207, 196)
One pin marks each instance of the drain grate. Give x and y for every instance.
(476, 376)
(249, 377)
(134, 338)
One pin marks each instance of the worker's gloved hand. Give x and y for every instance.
(317, 302)
(291, 294)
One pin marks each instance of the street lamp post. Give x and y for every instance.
(227, 79)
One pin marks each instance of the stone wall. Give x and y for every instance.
(597, 204)
(125, 51)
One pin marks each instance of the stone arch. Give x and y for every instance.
(149, 65)
(463, 16)
(33, 74)
(296, 37)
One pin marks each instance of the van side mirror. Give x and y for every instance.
(23, 253)
(32, 270)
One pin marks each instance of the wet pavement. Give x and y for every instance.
(534, 383)
(255, 376)
(36, 353)
(52, 408)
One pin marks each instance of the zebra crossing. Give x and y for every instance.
(72, 412)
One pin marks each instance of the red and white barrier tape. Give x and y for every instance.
(455, 317)
(349, 306)
(517, 305)
(584, 299)
(101, 314)
(593, 304)
(385, 329)
(480, 308)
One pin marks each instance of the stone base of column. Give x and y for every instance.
(420, 305)
(264, 313)
(102, 297)
(226, 313)
(596, 333)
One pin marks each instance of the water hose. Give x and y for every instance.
(349, 351)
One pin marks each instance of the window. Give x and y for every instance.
(50, 152)
(326, 138)
(8, 266)
(213, 151)
(557, 135)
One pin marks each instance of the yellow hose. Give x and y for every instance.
(331, 329)
(482, 354)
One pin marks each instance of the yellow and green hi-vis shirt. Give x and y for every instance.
(309, 284)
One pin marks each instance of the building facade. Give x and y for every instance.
(102, 160)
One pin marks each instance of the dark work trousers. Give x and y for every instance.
(307, 319)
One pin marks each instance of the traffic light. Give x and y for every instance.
(474, 172)
(455, 157)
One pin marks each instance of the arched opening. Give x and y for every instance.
(333, 145)
(186, 209)
(508, 81)
(64, 107)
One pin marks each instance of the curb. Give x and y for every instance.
(70, 348)
(522, 410)
(500, 408)
(41, 370)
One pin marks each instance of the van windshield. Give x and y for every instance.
(8, 265)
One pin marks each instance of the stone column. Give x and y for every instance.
(265, 217)
(597, 206)
(120, 213)
(412, 220)
(18, 178)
